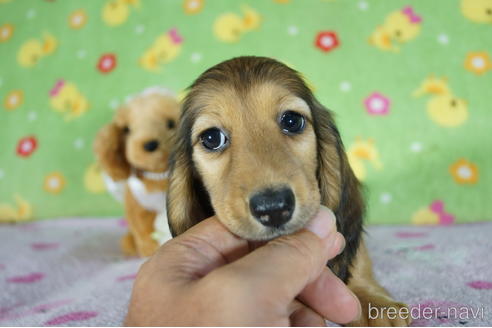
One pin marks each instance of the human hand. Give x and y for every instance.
(210, 277)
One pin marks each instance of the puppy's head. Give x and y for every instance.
(147, 124)
(258, 150)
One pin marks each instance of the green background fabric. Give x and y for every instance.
(421, 165)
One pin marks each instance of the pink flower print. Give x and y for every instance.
(425, 247)
(72, 316)
(26, 279)
(377, 104)
(480, 284)
(6, 313)
(127, 277)
(44, 246)
(410, 234)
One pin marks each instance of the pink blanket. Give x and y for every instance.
(71, 272)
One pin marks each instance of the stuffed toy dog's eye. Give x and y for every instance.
(292, 122)
(171, 124)
(214, 139)
(126, 130)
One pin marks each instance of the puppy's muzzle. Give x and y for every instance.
(273, 207)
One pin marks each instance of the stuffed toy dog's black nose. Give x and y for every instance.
(151, 145)
(273, 208)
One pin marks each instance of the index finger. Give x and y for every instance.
(201, 249)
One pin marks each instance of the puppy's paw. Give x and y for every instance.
(382, 311)
(147, 247)
(127, 244)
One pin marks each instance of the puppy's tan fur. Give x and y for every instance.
(119, 149)
(245, 97)
(256, 158)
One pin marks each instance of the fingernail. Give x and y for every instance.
(322, 224)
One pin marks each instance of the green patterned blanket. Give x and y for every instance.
(410, 83)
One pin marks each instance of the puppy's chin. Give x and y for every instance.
(155, 162)
(252, 230)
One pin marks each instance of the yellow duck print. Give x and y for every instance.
(93, 180)
(116, 12)
(164, 50)
(230, 27)
(21, 211)
(399, 27)
(34, 49)
(478, 11)
(66, 98)
(443, 108)
(425, 216)
(433, 214)
(360, 151)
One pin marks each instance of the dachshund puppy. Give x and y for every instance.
(133, 152)
(257, 149)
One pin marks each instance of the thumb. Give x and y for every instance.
(284, 266)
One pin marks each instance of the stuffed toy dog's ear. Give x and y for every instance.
(109, 147)
(187, 201)
(339, 188)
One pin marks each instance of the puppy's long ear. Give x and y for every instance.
(109, 147)
(187, 202)
(339, 188)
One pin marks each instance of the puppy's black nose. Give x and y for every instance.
(273, 208)
(151, 145)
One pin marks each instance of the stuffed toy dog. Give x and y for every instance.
(133, 152)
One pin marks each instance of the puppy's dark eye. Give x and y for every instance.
(214, 139)
(126, 130)
(171, 124)
(292, 122)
